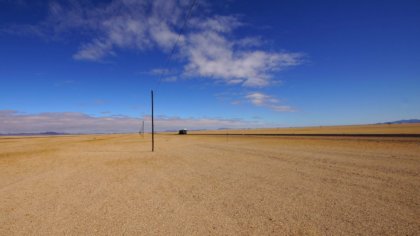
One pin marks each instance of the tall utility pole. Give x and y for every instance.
(153, 126)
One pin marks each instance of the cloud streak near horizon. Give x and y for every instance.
(74, 122)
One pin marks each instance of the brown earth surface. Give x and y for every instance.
(346, 129)
(209, 185)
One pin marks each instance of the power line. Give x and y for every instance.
(187, 17)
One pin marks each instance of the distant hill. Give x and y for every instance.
(33, 134)
(411, 121)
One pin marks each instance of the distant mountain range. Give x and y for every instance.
(411, 121)
(32, 134)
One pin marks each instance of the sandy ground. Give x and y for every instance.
(347, 129)
(209, 185)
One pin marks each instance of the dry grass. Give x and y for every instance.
(209, 185)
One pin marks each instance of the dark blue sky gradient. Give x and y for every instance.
(361, 65)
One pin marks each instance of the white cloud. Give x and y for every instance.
(130, 24)
(74, 122)
(264, 100)
(211, 53)
(209, 49)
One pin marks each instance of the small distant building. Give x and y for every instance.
(182, 131)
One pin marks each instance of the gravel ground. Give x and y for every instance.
(209, 185)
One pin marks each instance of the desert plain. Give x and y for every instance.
(213, 184)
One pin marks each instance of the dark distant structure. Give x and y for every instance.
(182, 131)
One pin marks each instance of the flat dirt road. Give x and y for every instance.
(209, 185)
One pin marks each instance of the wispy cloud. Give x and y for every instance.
(235, 102)
(209, 49)
(94, 50)
(260, 99)
(165, 75)
(74, 122)
(162, 71)
(264, 100)
(170, 79)
(64, 83)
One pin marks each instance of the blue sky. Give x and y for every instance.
(89, 66)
